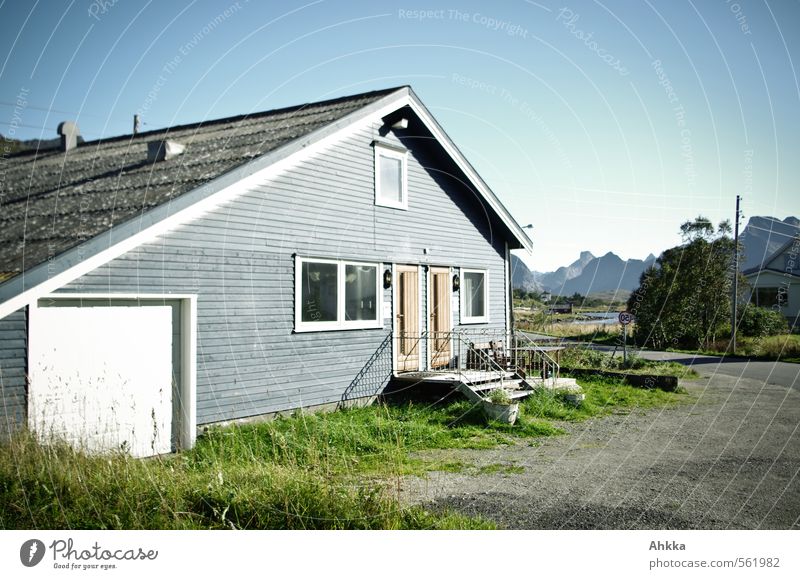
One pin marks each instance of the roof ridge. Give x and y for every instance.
(221, 120)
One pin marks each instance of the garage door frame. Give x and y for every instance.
(187, 417)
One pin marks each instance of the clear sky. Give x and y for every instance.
(603, 124)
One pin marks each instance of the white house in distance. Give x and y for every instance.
(304, 257)
(776, 282)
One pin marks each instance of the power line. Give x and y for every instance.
(26, 126)
(74, 113)
(51, 110)
(40, 128)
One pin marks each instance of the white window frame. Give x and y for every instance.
(465, 319)
(402, 156)
(340, 323)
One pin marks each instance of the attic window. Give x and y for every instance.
(391, 188)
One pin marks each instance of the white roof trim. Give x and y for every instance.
(469, 171)
(47, 277)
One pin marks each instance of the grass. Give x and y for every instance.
(577, 357)
(603, 396)
(321, 471)
(783, 348)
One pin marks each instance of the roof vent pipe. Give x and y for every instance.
(69, 135)
(163, 150)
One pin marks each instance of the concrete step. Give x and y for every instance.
(509, 384)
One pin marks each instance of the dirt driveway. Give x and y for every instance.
(730, 459)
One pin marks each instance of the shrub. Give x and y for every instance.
(756, 321)
(583, 358)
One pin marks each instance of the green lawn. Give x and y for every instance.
(582, 357)
(320, 471)
(783, 348)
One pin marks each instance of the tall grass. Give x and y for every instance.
(783, 347)
(331, 471)
(320, 471)
(581, 357)
(603, 395)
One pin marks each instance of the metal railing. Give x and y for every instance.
(534, 361)
(456, 351)
(469, 354)
(373, 376)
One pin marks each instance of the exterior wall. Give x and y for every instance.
(778, 280)
(13, 362)
(239, 260)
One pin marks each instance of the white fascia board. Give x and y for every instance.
(47, 277)
(435, 128)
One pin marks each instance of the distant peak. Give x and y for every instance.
(587, 255)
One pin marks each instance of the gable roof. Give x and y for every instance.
(53, 200)
(775, 254)
(65, 213)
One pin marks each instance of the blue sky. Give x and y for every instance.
(604, 124)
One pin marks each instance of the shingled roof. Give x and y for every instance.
(51, 201)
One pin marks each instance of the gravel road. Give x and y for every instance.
(729, 459)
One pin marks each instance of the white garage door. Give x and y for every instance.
(101, 377)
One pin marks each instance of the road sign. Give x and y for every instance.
(625, 318)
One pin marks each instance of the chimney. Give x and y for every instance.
(135, 124)
(163, 150)
(69, 135)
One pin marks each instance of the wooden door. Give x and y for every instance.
(407, 318)
(440, 327)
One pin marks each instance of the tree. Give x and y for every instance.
(684, 300)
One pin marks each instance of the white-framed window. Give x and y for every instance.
(474, 296)
(391, 189)
(336, 295)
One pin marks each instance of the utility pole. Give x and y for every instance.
(735, 275)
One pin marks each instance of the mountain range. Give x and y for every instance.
(589, 274)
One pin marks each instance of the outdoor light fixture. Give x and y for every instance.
(456, 282)
(401, 123)
(387, 279)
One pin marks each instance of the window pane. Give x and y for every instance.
(361, 300)
(391, 179)
(767, 297)
(474, 294)
(319, 292)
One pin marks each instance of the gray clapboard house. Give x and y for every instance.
(155, 283)
(775, 284)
